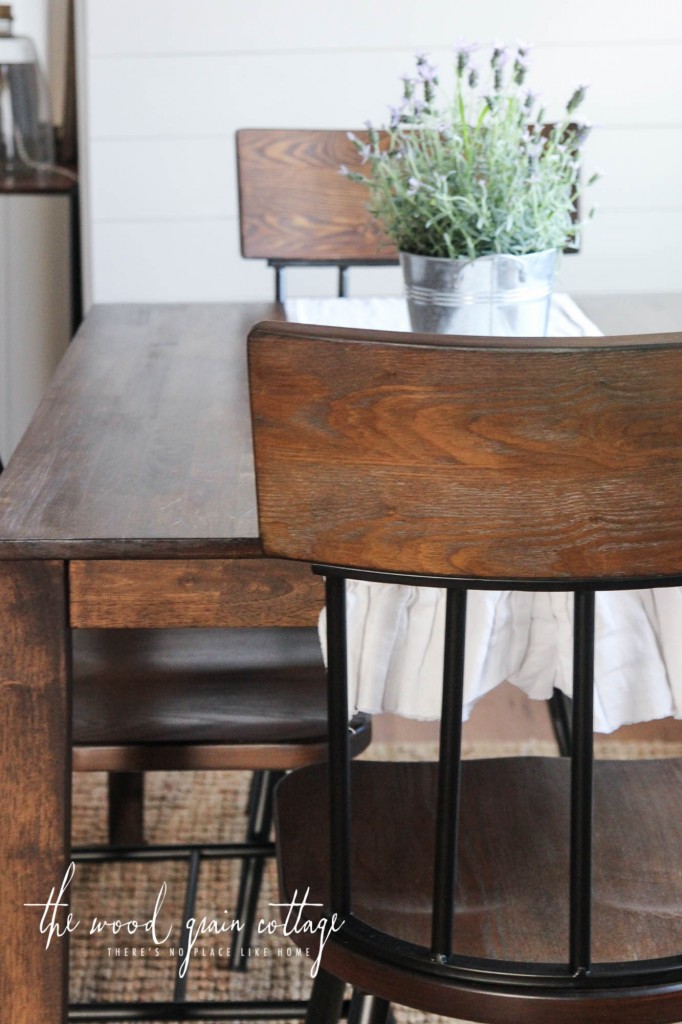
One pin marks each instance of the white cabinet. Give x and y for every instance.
(35, 304)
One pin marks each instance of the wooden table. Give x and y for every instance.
(131, 502)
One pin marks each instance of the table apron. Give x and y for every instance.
(148, 594)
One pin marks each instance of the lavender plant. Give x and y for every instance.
(477, 174)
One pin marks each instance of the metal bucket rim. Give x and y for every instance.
(463, 260)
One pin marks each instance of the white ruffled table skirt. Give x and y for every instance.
(396, 633)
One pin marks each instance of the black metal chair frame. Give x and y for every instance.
(279, 266)
(253, 851)
(578, 972)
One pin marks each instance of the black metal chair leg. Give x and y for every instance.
(126, 808)
(367, 1009)
(254, 786)
(258, 831)
(326, 1000)
(560, 713)
(279, 284)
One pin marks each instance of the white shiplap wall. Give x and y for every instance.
(166, 83)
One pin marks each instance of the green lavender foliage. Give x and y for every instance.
(474, 175)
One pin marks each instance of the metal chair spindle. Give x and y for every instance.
(445, 868)
(339, 760)
(580, 956)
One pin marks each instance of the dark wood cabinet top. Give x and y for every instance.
(41, 183)
(141, 447)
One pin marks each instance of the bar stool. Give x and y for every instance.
(497, 890)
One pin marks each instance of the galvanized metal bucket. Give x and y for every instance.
(489, 295)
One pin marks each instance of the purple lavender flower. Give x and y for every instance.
(497, 62)
(425, 135)
(577, 98)
(428, 73)
(408, 86)
(463, 53)
(582, 133)
(400, 112)
(520, 70)
(372, 132)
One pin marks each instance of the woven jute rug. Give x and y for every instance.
(203, 807)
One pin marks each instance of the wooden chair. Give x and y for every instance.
(195, 699)
(201, 699)
(296, 209)
(503, 890)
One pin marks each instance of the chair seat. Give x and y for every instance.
(513, 905)
(198, 693)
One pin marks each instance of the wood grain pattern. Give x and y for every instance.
(34, 763)
(141, 447)
(512, 899)
(178, 699)
(517, 459)
(142, 444)
(295, 205)
(238, 592)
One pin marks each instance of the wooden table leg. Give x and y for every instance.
(35, 758)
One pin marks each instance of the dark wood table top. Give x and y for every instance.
(142, 444)
(141, 447)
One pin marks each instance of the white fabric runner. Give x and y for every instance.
(395, 633)
(566, 320)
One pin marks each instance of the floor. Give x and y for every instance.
(507, 715)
